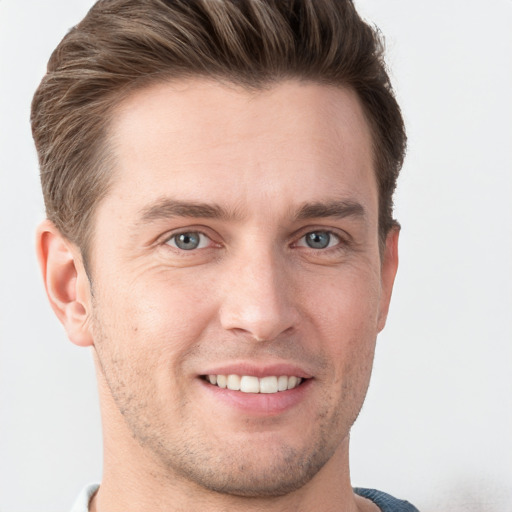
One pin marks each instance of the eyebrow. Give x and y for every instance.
(335, 209)
(169, 208)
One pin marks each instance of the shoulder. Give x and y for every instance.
(385, 502)
(82, 502)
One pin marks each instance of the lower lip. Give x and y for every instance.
(260, 404)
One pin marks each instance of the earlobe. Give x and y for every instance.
(66, 282)
(389, 268)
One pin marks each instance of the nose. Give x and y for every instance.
(258, 297)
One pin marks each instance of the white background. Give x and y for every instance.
(437, 424)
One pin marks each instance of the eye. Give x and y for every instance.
(319, 240)
(189, 241)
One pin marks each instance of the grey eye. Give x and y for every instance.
(318, 239)
(189, 241)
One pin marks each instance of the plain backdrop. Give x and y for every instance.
(437, 424)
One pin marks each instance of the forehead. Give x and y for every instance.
(292, 142)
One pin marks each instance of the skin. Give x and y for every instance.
(267, 168)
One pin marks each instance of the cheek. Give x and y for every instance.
(163, 309)
(152, 328)
(345, 317)
(143, 335)
(347, 303)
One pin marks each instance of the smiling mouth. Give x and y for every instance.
(251, 384)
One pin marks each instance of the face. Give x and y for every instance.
(237, 284)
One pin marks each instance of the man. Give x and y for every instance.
(218, 179)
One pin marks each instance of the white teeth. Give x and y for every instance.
(268, 385)
(221, 381)
(234, 382)
(292, 382)
(251, 384)
(282, 383)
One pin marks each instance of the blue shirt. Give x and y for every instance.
(384, 501)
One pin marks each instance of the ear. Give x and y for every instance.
(389, 266)
(66, 282)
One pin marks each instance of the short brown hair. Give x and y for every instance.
(125, 44)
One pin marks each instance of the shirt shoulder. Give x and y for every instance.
(82, 502)
(385, 501)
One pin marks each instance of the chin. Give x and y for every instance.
(268, 469)
(249, 479)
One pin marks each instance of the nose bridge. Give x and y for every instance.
(258, 298)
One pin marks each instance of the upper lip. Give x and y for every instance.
(258, 370)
